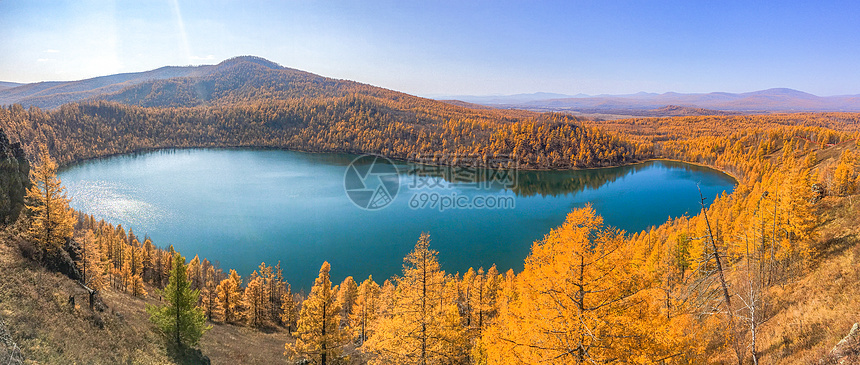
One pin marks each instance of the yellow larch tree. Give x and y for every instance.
(423, 326)
(267, 284)
(135, 268)
(209, 294)
(347, 294)
(319, 337)
(576, 302)
(289, 310)
(194, 273)
(365, 310)
(845, 175)
(252, 301)
(466, 288)
(90, 264)
(229, 295)
(52, 220)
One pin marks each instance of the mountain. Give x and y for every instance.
(677, 111)
(239, 80)
(8, 85)
(490, 100)
(236, 80)
(770, 100)
(50, 94)
(251, 79)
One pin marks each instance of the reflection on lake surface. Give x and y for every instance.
(240, 207)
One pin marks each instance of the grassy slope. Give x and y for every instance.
(818, 309)
(34, 306)
(809, 314)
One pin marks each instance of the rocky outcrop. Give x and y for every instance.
(9, 351)
(63, 261)
(846, 351)
(14, 179)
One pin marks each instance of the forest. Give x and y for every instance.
(709, 288)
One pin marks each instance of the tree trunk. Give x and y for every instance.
(723, 284)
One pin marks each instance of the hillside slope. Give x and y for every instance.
(51, 94)
(48, 329)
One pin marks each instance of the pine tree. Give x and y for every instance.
(52, 222)
(319, 337)
(179, 320)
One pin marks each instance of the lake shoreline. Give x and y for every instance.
(270, 148)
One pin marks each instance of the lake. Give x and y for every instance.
(239, 207)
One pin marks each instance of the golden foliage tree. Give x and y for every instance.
(845, 176)
(289, 311)
(575, 302)
(209, 293)
(347, 294)
(52, 220)
(423, 326)
(253, 301)
(364, 312)
(319, 337)
(229, 296)
(90, 264)
(134, 268)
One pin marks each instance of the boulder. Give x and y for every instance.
(847, 351)
(14, 179)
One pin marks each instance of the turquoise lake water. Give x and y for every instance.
(239, 207)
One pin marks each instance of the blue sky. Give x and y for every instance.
(435, 47)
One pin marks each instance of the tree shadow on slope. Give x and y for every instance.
(187, 356)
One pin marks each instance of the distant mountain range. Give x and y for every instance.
(249, 79)
(771, 100)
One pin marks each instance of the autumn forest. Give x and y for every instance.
(726, 285)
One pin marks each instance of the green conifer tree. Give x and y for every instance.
(180, 320)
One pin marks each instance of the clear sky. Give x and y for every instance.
(434, 47)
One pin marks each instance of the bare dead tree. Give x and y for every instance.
(722, 278)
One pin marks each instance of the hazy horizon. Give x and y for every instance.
(453, 48)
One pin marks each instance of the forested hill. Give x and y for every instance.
(252, 102)
(237, 80)
(241, 80)
(51, 94)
